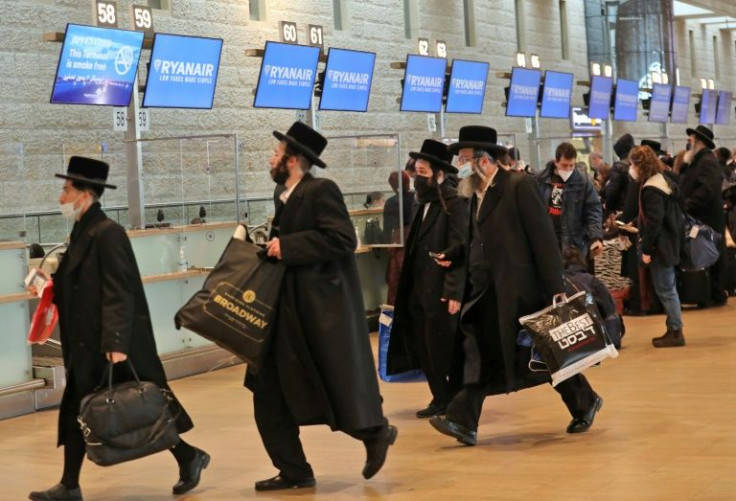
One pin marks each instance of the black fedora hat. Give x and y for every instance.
(88, 171)
(437, 154)
(704, 134)
(305, 140)
(478, 137)
(654, 145)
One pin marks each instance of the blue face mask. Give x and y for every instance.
(465, 170)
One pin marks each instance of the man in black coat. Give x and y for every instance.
(515, 269)
(700, 186)
(103, 317)
(319, 368)
(424, 331)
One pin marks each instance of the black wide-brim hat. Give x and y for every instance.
(305, 140)
(478, 137)
(704, 134)
(437, 154)
(88, 171)
(654, 145)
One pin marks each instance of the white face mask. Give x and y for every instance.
(69, 212)
(634, 175)
(465, 170)
(565, 174)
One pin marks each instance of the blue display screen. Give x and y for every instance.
(680, 104)
(557, 95)
(97, 66)
(467, 87)
(287, 76)
(523, 93)
(183, 72)
(626, 107)
(348, 78)
(424, 81)
(659, 106)
(708, 106)
(600, 97)
(723, 115)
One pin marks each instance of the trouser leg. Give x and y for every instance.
(465, 408)
(74, 451)
(577, 394)
(428, 340)
(183, 452)
(279, 432)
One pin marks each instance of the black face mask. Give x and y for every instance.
(280, 173)
(426, 189)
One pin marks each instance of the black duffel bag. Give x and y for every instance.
(127, 420)
(236, 307)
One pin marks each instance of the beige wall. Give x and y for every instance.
(29, 64)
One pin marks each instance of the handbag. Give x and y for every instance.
(385, 322)
(236, 307)
(570, 335)
(700, 248)
(127, 420)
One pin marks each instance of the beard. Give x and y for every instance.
(280, 173)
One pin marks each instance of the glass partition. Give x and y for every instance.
(13, 191)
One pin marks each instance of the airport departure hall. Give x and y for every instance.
(317, 249)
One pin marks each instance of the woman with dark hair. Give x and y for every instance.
(660, 236)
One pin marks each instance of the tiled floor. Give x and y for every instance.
(666, 432)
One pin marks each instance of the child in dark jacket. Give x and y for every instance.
(577, 278)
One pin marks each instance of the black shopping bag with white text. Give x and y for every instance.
(570, 335)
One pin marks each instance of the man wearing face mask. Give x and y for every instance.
(424, 331)
(319, 367)
(103, 316)
(514, 269)
(572, 203)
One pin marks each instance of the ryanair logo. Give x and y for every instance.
(524, 91)
(348, 77)
(422, 81)
(274, 72)
(185, 69)
(466, 84)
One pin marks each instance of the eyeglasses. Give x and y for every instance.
(461, 160)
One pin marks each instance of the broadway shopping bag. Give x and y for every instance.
(570, 335)
(384, 335)
(236, 307)
(127, 420)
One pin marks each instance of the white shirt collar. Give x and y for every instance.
(288, 191)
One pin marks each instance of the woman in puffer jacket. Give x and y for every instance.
(660, 236)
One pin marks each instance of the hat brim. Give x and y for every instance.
(708, 141)
(86, 180)
(435, 161)
(301, 148)
(492, 148)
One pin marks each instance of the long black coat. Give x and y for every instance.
(102, 308)
(440, 231)
(321, 344)
(700, 187)
(660, 225)
(520, 251)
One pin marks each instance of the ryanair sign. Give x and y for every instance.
(289, 75)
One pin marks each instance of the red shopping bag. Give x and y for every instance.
(45, 317)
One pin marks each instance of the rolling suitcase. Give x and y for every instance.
(693, 286)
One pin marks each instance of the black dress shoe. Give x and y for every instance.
(431, 410)
(278, 483)
(581, 424)
(376, 451)
(455, 430)
(59, 492)
(190, 473)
